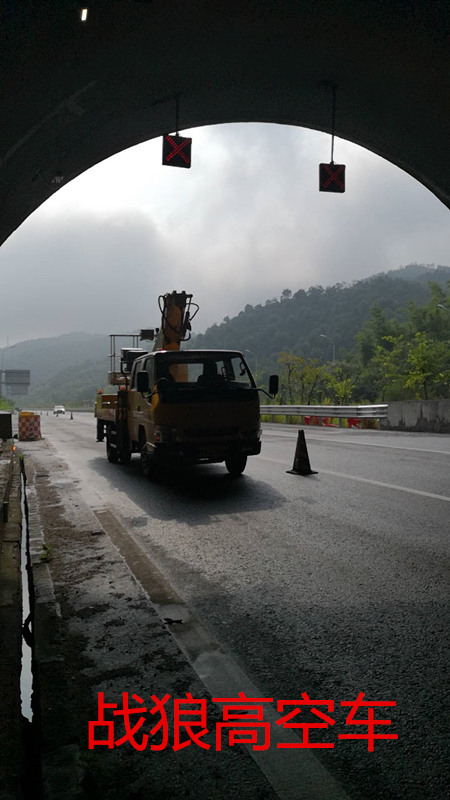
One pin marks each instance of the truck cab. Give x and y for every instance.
(193, 406)
(178, 407)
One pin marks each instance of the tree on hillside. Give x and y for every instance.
(5, 405)
(376, 333)
(300, 379)
(339, 381)
(389, 364)
(342, 390)
(431, 317)
(419, 364)
(428, 365)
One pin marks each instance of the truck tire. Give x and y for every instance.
(100, 431)
(147, 462)
(124, 456)
(236, 464)
(111, 452)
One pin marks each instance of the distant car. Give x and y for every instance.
(59, 410)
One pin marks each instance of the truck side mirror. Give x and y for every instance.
(273, 385)
(143, 383)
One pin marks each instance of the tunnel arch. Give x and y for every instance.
(90, 90)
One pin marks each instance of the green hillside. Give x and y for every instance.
(73, 386)
(298, 323)
(46, 357)
(422, 273)
(69, 369)
(64, 369)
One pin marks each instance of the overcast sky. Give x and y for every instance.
(244, 223)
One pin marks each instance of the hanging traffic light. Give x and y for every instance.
(176, 151)
(332, 177)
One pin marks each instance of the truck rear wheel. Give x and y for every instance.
(111, 452)
(236, 464)
(100, 430)
(145, 463)
(125, 456)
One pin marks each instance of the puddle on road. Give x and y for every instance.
(63, 482)
(26, 675)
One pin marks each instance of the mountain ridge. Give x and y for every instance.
(68, 368)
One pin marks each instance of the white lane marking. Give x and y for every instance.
(387, 485)
(369, 480)
(333, 439)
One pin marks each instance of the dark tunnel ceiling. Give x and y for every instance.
(75, 93)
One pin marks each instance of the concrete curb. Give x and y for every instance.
(11, 729)
(107, 636)
(61, 770)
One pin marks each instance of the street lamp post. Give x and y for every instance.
(2, 370)
(255, 357)
(439, 305)
(323, 336)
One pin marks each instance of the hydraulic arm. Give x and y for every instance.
(177, 312)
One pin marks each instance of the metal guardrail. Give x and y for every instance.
(341, 412)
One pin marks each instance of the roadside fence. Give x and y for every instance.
(356, 416)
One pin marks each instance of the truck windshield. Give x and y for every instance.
(201, 371)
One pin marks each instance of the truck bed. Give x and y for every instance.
(106, 407)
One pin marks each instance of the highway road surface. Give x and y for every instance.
(330, 585)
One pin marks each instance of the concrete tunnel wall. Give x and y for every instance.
(74, 94)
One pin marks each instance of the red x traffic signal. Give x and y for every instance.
(332, 177)
(176, 151)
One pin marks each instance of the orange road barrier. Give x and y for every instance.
(29, 426)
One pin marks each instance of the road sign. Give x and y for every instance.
(176, 151)
(332, 177)
(17, 376)
(16, 381)
(16, 389)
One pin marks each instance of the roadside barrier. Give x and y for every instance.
(356, 416)
(29, 426)
(327, 421)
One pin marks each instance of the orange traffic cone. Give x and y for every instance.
(301, 458)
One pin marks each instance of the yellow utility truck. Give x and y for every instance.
(177, 407)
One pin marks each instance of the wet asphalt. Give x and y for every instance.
(331, 584)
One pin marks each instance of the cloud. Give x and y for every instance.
(82, 275)
(244, 223)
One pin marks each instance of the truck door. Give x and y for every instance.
(140, 405)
